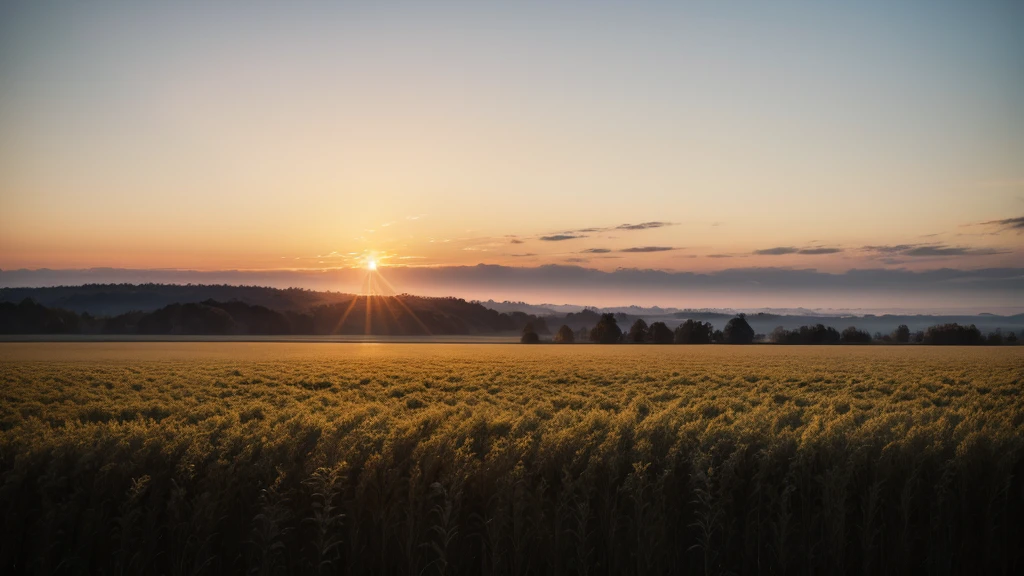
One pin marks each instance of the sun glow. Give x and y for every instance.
(371, 264)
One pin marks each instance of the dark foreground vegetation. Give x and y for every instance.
(504, 460)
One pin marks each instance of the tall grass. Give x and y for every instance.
(422, 459)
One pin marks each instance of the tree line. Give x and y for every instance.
(738, 331)
(378, 315)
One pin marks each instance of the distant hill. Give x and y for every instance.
(226, 309)
(111, 299)
(378, 315)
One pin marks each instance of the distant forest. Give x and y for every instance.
(376, 315)
(167, 309)
(738, 331)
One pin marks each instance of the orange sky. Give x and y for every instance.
(809, 137)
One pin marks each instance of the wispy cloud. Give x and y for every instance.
(560, 237)
(720, 255)
(820, 251)
(599, 229)
(595, 251)
(1007, 223)
(884, 249)
(643, 225)
(932, 250)
(515, 241)
(648, 249)
(942, 250)
(783, 250)
(777, 251)
(528, 254)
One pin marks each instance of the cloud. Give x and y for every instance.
(577, 260)
(528, 254)
(1007, 223)
(515, 241)
(640, 226)
(932, 250)
(820, 251)
(720, 255)
(897, 249)
(643, 225)
(943, 250)
(648, 249)
(560, 237)
(595, 251)
(938, 287)
(777, 251)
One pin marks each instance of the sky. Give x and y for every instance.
(686, 138)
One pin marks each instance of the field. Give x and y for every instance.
(187, 458)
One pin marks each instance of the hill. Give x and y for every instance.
(377, 315)
(227, 309)
(112, 299)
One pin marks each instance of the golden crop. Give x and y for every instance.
(503, 459)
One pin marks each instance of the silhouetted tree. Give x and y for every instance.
(738, 331)
(952, 335)
(1011, 338)
(529, 335)
(638, 332)
(817, 334)
(607, 330)
(192, 318)
(693, 332)
(659, 333)
(564, 335)
(994, 338)
(583, 334)
(30, 317)
(902, 334)
(854, 336)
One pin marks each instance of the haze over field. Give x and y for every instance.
(784, 154)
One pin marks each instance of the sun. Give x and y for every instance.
(371, 264)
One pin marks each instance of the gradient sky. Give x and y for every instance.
(696, 137)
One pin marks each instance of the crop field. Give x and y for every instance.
(408, 459)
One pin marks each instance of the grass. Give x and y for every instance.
(186, 458)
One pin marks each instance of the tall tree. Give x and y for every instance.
(638, 332)
(529, 335)
(659, 333)
(693, 332)
(564, 335)
(738, 331)
(607, 330)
